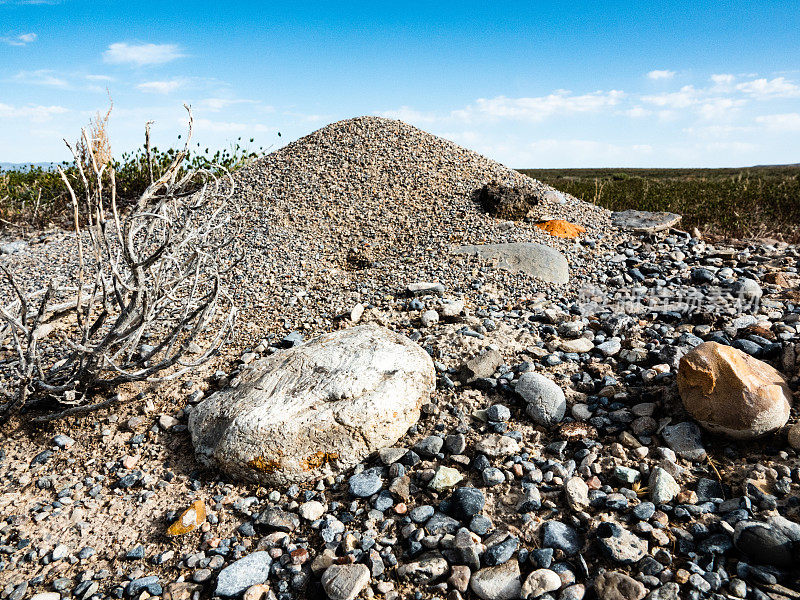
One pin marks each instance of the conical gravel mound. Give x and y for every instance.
(374, 203)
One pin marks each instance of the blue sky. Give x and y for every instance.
(532, 84)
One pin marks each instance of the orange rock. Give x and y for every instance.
(681, 576)
(189, 520)
(562, 229)
(594, 483)
(731, 392)
(776, 278)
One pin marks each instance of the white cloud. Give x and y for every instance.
(764, 88)
(637, 112)
(161, 87)
(22, 39)
(781, 123)
(539, 108)
(718, 108)
(563, 152)
(715, 132)
(407, 114)
(42, 77)
(685, 97)
(660, 74)
(699, 100)
(99, 78)
(37, 114)
(141, 54)
(722, 81)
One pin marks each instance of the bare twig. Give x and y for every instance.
(147, 285)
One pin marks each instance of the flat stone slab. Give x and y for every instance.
(642, 221)
(538, 260)
(315, 409)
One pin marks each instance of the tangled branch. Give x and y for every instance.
(148, 285)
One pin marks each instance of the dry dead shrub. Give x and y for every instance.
(148, 285)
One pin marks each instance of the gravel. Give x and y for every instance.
(606, 484)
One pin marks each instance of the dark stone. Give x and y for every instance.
(719, 543)
(764, 544)
(480, 524)
(644, 511)
(440, 523)
(149, 584)
(278, 520)
(464, 503)
(749, 347)
(500, 553)
(559, 536)
(135, 553)
(41, 458)
(708, 489)
(429, 447)
(365, 484)
(506, 202)
(541, 558)
(702, 275)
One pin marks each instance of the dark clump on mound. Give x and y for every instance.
(358, 259)
(507, 202)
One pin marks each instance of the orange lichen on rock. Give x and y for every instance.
(264, 465)
(318, 459)
(189, 520)
(562, 229)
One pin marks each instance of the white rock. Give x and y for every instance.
(429, 317)
(577, 492)
(543, 262)
(302, 413)
(46, 596)
(663, 487)
(540, 582)
(611, 347)
(345, 582)
(311, 510)
(451, 309)
(167, 422)
(497, 445)
(357, 312)
(497, 583)
(581, 411)
(445, 477)
(546, 401)
(578, 345)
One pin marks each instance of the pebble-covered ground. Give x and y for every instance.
(488, 496)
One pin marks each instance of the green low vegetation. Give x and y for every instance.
(36, 197)
(746, 202)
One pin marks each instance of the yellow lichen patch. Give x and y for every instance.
(562, 229)
(318, 459)
(264, 465)
(189, 520)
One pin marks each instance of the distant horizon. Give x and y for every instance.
(677, 85)
(7, 165)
